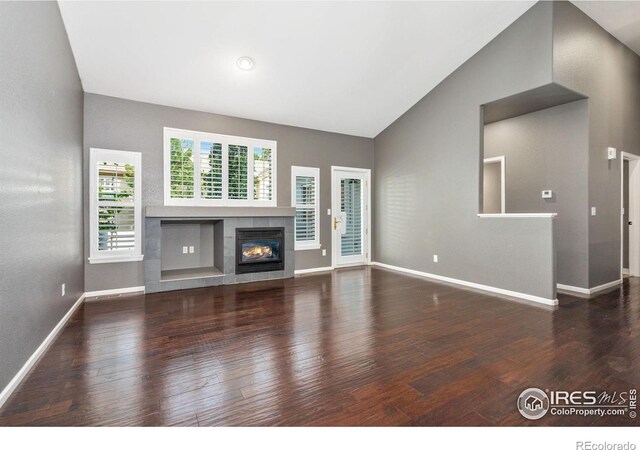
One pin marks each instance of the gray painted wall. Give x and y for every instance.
(40, 179)
(548, 150)
(589, 60)
(428, 173)
(127, 125)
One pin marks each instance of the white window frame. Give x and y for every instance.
(307, 172)
(97, 155)
(225, 140)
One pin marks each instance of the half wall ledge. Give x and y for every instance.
(517, 215)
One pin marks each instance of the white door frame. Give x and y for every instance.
(335, 207)
(633, 214)
(501, 160)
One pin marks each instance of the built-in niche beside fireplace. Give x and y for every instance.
(259, 250)
(189, 250)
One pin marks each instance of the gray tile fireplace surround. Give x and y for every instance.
(223, 221)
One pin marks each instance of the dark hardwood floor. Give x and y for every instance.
(360, 346)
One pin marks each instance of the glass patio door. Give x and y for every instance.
(350, 217)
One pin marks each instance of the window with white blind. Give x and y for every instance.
(115, 206)
(218, 170)
(305, 191)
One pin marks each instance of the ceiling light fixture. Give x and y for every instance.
(245, 63)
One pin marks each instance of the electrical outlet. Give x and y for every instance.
(185, 249)
(324, 252)
(435, 258)
(63, 288)
(593, 210)
(191, 249)
(328, 212)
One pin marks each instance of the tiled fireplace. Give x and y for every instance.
(224, 246)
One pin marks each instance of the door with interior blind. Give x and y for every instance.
(350, 193)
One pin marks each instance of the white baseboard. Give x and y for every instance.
(33, 359)
(587, 291)
(127, 290)
(313, 270)
(483, 287)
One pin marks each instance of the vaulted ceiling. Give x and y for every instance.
(347, 67)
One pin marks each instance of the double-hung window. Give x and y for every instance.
(305, 184)
(115, 220)
(208, 169)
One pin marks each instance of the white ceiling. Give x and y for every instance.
(620, 18)
(338, 66)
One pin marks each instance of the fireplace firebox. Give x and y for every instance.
(259, 249)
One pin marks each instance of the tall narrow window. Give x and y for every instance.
(211, 170)
(182, 168)
(238, 172)
(206, 169)
(304, 197)
(262, 173)
(115, 206)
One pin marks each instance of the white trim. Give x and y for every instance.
(313, 270)
(335, 208)
(517, 215)
(126, 290)
(482, 287)
(587, 291)
(314, 172)
(35, 357)
(503, 178)
(633, 216)
(225, 140)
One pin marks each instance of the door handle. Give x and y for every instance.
(336, 221)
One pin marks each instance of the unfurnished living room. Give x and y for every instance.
(320, 214)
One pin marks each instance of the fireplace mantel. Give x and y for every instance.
(217, 212)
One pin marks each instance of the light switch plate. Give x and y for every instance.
(593, 210)
(185, 249)
(328, 212)
(435, 258)
(191, 249)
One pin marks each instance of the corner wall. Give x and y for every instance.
(40, 179)
(120, 124)
(590, 61)
(428, 168)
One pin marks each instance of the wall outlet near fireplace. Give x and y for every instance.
(191, 249)
(435, 258)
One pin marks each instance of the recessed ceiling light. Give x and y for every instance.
(245, 63)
